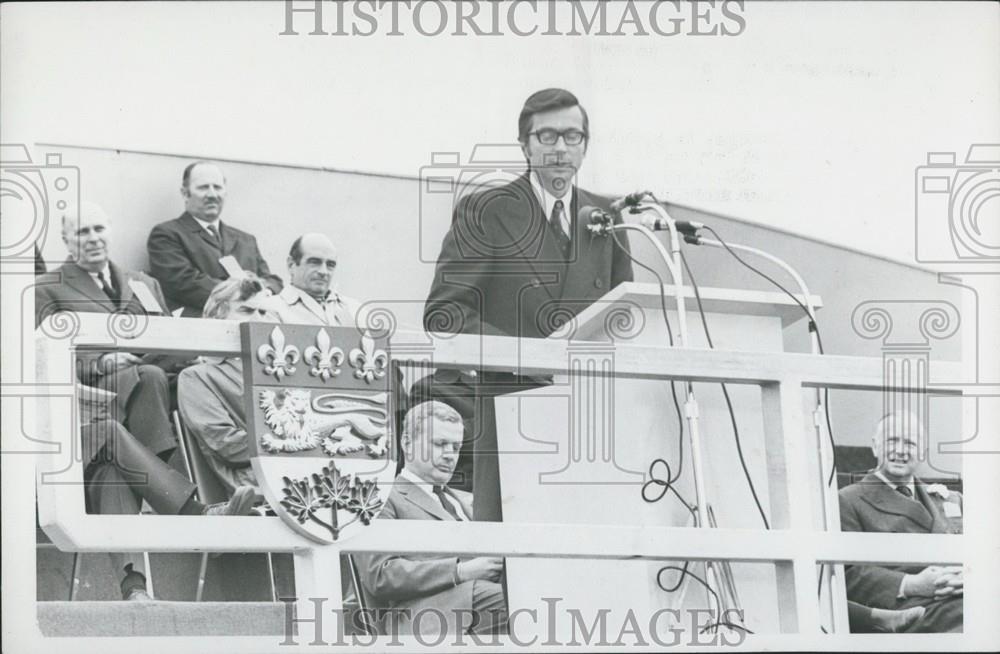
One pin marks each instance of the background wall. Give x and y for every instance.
(389, 232)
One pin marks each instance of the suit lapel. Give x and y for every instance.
(535, 223)
(884, 499)
(192, 226)
(122, 283)
(227, 238)
(80, 280)
(939, 523)
(421, 499)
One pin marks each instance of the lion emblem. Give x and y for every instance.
(296, 423)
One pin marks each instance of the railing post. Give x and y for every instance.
(785, 430)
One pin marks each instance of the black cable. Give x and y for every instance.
(725, 393)
(813, 327)
(673, 387)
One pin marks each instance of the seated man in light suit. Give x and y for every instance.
(892, 499)
(308, 298)
(424, 591)
(210, 394)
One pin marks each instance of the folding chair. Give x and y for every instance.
(210, 491)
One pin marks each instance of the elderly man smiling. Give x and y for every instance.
(893, 499)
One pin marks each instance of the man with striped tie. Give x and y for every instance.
(420, 594)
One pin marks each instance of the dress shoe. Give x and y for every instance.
(239, 504)
(137, 595)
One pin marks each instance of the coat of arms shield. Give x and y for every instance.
(320, 422)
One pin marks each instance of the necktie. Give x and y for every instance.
(557, 217)
(439, 491)
(905, 491)
(215, 234)
(108, 288)
(562, 238)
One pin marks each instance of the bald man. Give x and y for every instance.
(309, 298)
(191, 254)
(90, 282)
(893, 499)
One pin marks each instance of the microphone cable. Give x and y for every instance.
(670, 483)
(725, 394)
(813, 327)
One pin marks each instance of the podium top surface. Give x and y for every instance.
(736, 301)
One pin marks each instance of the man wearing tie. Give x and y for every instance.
(892, 499)
(421, 591)
(308, 299)
(90, 282)
(517, 262)
(189, 255)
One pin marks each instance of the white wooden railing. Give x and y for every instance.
(793, 545)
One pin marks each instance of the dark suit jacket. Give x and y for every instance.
(872, 506)
(416, 582)
(186, 261)
(501, 271)
(71, 288)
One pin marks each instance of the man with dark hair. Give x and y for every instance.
(309, 297)
(464, 592)
(518, 262)
(189, 255)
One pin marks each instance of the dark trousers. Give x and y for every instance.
(142, 404)
(123, 473)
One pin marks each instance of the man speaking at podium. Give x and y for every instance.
(517, 261)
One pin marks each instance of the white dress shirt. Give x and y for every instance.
(204, 223)
(548, 201)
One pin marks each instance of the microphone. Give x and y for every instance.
(597, 220)
(683, 226)
(631, 200)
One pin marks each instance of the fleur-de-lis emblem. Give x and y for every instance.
(278, 359)
(370, 362)
(325, 359)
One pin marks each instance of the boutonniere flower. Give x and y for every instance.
(940, 490)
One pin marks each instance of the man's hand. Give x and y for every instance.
(950, 582)
(483, 567)
(113, 361)
(934, 581)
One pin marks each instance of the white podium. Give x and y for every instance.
(580, 450)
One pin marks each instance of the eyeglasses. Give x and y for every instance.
(550, 136)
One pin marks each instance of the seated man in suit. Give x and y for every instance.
(90, 282)
(892, 499)
(308, 298)
(210, 394)
(121, 473)
(465, 591)
(189, 255)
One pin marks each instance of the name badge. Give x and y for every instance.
(952, 510)
(232, 266)
(145, 296)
